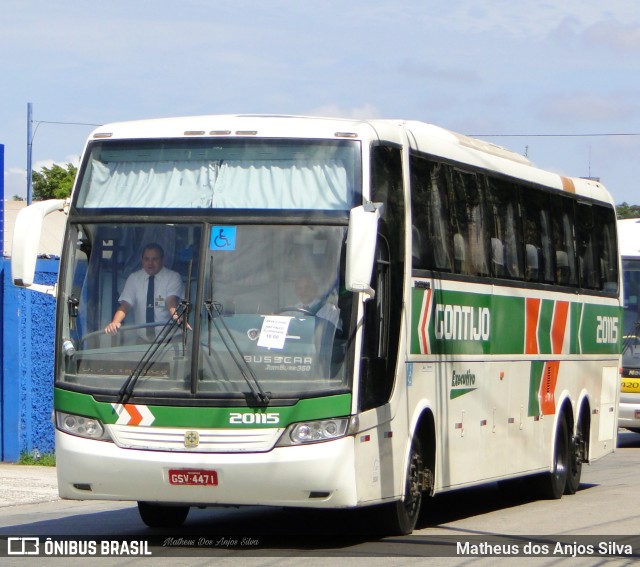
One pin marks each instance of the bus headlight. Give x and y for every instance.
(81, 426)
(314, 431)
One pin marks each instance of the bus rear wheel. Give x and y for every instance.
(162, 516)
(577, 454)
(552, 485)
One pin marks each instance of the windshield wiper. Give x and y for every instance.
(214, 315)
(165, 335)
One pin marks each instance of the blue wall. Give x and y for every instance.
(26, 380)
(2, 196)
(26, 351)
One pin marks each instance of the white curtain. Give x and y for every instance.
(282, 184)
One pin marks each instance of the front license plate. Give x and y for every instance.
(185, 477)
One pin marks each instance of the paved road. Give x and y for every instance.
(605, 510)
(21, 484)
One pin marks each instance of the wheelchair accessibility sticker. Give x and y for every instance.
(223, 238)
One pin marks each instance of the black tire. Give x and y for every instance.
(401, 517)
(552, 484)
(575, 459)
(162, 516)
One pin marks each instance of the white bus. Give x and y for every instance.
(629, 418)
(465, 325)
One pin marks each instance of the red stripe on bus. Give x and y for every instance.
(559, 326)
(532, 307)
(548, 387)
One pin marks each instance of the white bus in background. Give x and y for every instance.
(465, 327)
(629, 234)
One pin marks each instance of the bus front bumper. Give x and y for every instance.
(319, 475)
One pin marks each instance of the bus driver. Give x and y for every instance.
(153, 292)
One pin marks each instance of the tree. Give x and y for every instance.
(53, 182)
(626, 211)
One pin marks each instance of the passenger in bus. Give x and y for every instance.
(153, 292)
(563, 272)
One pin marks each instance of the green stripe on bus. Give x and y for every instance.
(544, 325)
(457, 392)
(535, 378)
(455, 322)
(209, 417)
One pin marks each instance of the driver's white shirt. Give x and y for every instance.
(166, 283)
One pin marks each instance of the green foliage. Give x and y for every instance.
(626, 211)
(53, 182)
(35, 458)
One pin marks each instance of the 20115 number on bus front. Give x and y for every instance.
(254, 418)
(607, 330)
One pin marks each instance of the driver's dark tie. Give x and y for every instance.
(150, 310)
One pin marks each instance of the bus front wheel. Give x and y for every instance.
(162, 516)
(401, 516)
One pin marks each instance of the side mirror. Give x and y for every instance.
(361, 247)
(26, 238)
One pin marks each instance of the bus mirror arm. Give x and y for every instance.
(26, 239)
(361, 248)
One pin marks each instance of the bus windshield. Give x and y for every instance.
(631, 344)
(259, 309)
(220, 174)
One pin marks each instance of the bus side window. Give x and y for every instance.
(605, 233)
(548, 255)
(563, 240)
(539, 253)
(532, 259)
(587, 247)
(477, 240)
(497, 257)
(562, 268)
(471, 240)
(459, 252)
(610, 264)
(430, 212)
(503, 207)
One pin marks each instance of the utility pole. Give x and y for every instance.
(30, 135)
(29, 150)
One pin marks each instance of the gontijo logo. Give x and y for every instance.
(462, 323)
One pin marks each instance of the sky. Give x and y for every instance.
(558, 82)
